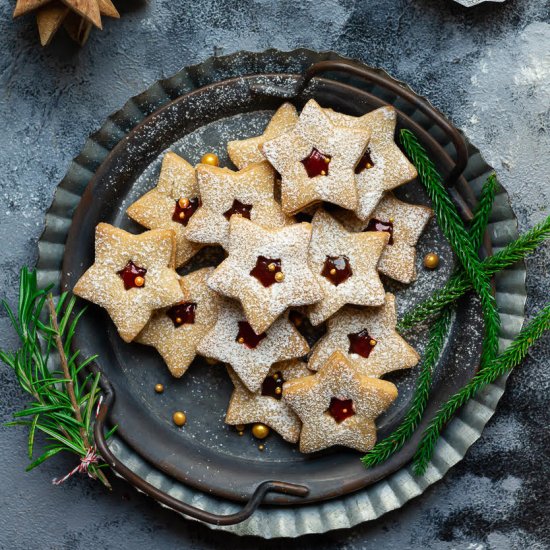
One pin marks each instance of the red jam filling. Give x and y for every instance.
(182, 314)
(361, 343)
(247, 336)
(266, 270)
(238, 208)
(366, 162)
(132, 275)
(185, 208)
(337, 269)
(340, 409)
(272, 386)
(378, 225)
(316, 164)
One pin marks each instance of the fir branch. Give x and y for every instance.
(385, 448)
(59, 396)
(456, 234)
(502, 364)
(482, 212)
(459, 284)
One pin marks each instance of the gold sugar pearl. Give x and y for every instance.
(211, 159)
(159, 388)
(391, 220)
(278, 391)
(260, 431)
(327, 160)
(279, 277)
(333, 271)
(344, 411)
(261, 447)
(368, 165)
(271, 267)
(181, 215)
(179, 320)
(241, 433)
(372, 342)
(179, 418)
(139, 281)
(241, 340)
(183, 203)
(323, 173)
(431, 260)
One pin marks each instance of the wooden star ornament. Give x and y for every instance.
(338, 406)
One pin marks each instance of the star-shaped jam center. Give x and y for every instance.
(132, 275)
(340, 409)
(247, 336)
(238, 208)
(361, 343)
(185, 208)
(182, 314)
(267, 271)
(379, 225)
(366, 162)
(316, 164)
(337, 269)
(272, 386)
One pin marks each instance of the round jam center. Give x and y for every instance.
(247, 336)
(366, 162)
(340, 409)
(238, 208)
(361, 343)
(132, 275)
(337, 269)
(272, 386)
(316, 164)
(185, 208)
(378, 225)
(266, 270)
(182, 314)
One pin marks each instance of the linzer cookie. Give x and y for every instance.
(317, 161)
(267, 270)
(267, 405)
(171, 204)
(383, 166)
(345, 265)
(132, 276)
(177, 331)
(247, 193)
(367, 337)
(246, 151)
(232, 340)
(405, 223)
(338, 406)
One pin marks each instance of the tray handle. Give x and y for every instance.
(248, 509)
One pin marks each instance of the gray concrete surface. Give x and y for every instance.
(487, 67)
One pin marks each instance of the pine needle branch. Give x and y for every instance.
(482, 212)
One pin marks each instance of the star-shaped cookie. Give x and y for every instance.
(246, 151)
(232, 340)
(338, 406)
(266, 405)
(383, 166)
(171, 204)
(405, 222)
(345, 265)
(225, 193)
(317, 161)
(132, 276)
(267, 270)
(367, 337)
(177, 331)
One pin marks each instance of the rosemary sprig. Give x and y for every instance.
(459, 283)
(455, 232)
(62, 405)
(511, 357)
(385, 448)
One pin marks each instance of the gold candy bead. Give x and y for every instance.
(211, 159)
(260, 431)
(323, 173)
(179, 418)
(139, 281)
(279, 277)
(271, 267)
(261, 447)
(327, 160)
(183, 203)
(241, 340)
(159, 388)
(431, 260)
(333, 271)
(391, 220)
(278, 391)
(372, 342)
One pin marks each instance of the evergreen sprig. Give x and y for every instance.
(511, 357)
(391, 444)
(482, 212)
(455, 232)
(459, 284)
(62, 405)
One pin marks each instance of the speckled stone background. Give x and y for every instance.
(487, 67)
